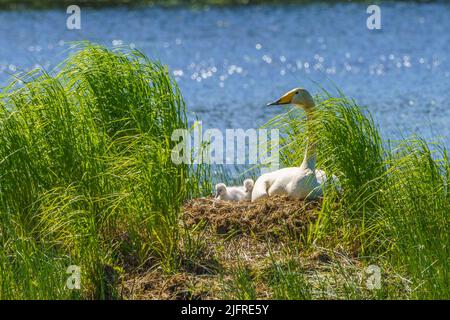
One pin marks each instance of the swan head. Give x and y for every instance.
(298, 96)
(248, 185)
(221, 190)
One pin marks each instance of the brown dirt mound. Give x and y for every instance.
(157, 285)
(271, 216)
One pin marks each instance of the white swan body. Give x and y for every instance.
(295, 182)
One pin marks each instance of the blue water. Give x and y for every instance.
(229, 62)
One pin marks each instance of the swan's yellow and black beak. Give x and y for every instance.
(285, 99)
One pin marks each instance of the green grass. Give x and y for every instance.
(86, 179)
(86, 174)
(395, 204)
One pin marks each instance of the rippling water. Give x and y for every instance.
(229, 62)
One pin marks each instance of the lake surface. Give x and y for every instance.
(229, 62)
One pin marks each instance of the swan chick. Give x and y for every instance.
(248, 188)
(229, 193)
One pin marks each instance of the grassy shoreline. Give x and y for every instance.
(85, 155)
(86, 179)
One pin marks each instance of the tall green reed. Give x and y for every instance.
(394, 201)
(86, 173)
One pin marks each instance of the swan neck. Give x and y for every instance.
(309, 160)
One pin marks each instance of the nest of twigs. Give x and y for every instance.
(271, 216)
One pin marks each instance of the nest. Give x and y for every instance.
(271, 216)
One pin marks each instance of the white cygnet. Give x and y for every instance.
(235, 193)
(248, 188)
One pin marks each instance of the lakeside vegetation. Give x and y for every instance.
(395, 205)
(86, 174)
(86, 179)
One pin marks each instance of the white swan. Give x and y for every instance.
(295, 182)
(235, 193)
